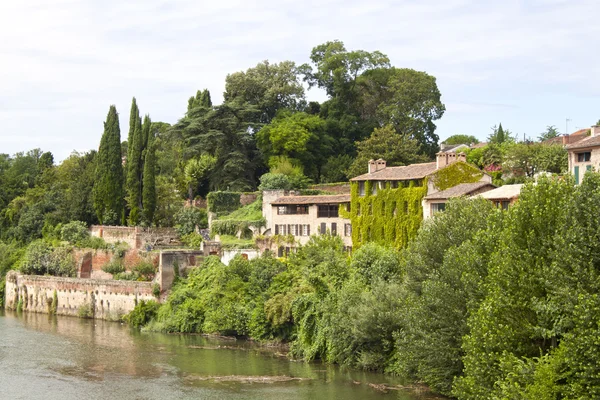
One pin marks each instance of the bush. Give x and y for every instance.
(41, 259)
(86, 311)
(156, 290)
(74, 232)
(145, 270)
(143, 313)
(193, 240)
(188, 218)
(114, 268)
(271, 181)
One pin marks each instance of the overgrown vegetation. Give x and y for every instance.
(483, 303)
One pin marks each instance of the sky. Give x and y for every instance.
(525, 64)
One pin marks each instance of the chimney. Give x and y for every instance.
(381, 164)
(461, 157)
(441, 160)
(595, 130)
(565, 139)
(372, 166)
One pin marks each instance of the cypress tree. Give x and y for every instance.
(134, 174)
(146, 132)
(108, 185)
(134, 115)
(149, 182)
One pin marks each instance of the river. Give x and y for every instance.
(48, 357)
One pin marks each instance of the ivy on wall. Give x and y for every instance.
(223, 202)
(390, 217)
(393, 216)
(454, 174)
(233, 227)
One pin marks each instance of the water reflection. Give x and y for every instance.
(71, 357)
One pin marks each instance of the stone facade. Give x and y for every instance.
(136, 237)
(184, 260)
(585, 155)
(104, 299)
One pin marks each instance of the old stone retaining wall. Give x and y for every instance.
(104, 299)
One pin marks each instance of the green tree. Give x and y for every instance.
(134, 116)
(300, 137)
(134, 174)
(108, 185)
(385, 143)
(409, 100)
(269, 87)
(499, 135)
(549, 133)
(461, 139)
(149, 182)
(202, 99)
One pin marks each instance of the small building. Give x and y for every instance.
(504, 196)
(584, 155)
(565, 140)
(303, 216)
(437, 201)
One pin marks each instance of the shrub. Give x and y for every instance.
(145, 270)
(188, 218)
(143, 313)
(156, 290)
(74, 232)
(41, 259)
(114, 268)
(193, 240)
(86, 311)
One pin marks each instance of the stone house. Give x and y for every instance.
(303, 216)
(584, 155)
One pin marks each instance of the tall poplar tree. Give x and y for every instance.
(108, 186)
(149, 180)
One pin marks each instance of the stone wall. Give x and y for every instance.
(184, 260)
(248, 198)
(136, 237)
(105, 299)
(90, 262)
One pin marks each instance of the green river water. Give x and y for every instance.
(44, 357)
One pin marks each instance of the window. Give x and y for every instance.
(361, 188)
(294, 230)
(347, 229)
(383, 208)
(281, 229)
(334, 229)
(405, 206)
(583, 157)
(292, 209)
(505, 204)
(323, 229)
(305, 230)
(435, 207)
(328, 211)
(394, 184)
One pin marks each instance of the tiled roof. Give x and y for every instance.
(413, 171)
(453, 148)
(505, 192)
(333, 199)
(589, 141)
(463, 189)
(573, 137)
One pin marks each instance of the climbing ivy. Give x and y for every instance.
(454, 174)
(390, 217)
(393, 216)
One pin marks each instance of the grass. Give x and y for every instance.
(250, 212)
(232, 242)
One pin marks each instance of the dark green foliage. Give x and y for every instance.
(134, 172)
(149, 183)
(108, 185)
(145, 269)
(223, 202)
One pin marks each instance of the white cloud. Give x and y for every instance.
(64, 62)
